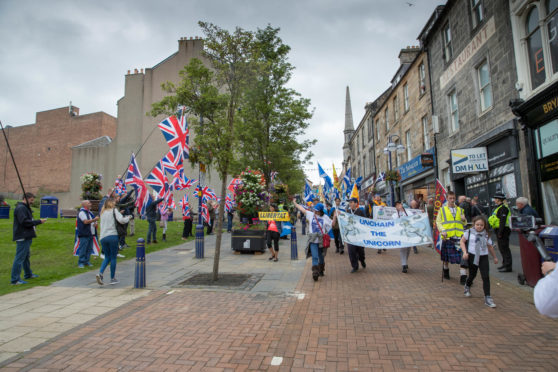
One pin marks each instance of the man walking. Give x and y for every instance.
(335, 228)
(356, 253)
(86, 228)
(23, 234)
(451, 222)
(500, 222)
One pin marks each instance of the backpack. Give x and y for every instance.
(120, 228)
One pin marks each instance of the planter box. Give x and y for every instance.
(248, 240)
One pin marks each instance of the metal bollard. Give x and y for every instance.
(294, 249)
(139, 277)
(199, 241)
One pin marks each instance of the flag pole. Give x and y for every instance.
(15, 165)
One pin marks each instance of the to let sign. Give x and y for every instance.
(471, 160)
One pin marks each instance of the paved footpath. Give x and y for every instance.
(375, 319)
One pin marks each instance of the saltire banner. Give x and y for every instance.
(439, 200)
(327, 180)
(286, 230)
(308, 194)
(358, 182)
(347, 178)
(401, 232)
(134, 179)
(381, 177)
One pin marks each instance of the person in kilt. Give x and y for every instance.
(450, 222)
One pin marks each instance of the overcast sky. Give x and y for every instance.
(55, 51)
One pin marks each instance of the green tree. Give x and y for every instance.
(273, 116)
(215, 93)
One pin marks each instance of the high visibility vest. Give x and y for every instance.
(494, 221)
(450, 225)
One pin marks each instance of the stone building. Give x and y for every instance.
(43, 150)
(473, 77)
(405, 119)
(536, 56)
(136, 129)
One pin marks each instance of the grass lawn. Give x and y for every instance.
(51, 251)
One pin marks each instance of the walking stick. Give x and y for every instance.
(15, 165)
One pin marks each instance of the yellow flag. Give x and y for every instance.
(354, 192)
(335, 178)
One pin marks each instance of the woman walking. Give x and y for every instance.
(273, 228)
(109, 239)
(319, 225)
(476, 244)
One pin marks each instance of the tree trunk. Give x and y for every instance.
(219, 227)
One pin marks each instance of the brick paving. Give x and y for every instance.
(375, 319)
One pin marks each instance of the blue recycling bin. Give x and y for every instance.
(4, 212)
(49, 207)
(549, 236)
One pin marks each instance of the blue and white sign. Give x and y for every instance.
(413, 166)
(398, 233)
(471, 160)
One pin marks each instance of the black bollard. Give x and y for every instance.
(139, 278)
(294, 249)
(199, 241)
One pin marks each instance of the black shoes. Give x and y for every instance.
(463, 279)
(505, 270)
(446, 274)
(379, 251)
(315, 272)
(354, 271)
(363, 264)
(405, 267)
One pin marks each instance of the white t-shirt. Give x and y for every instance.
(546, 295)
(472, 242)
(325, 223)
(108, 227)
(83, 217)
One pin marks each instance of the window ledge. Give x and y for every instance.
(486, 111)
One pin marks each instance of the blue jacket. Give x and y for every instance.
(528, 211)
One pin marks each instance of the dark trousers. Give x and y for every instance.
(483, 267)
(187, 231)
(209, 228)
(152, 231)
(356, 254)
(273, 236)
(21, 260)
(504, 248)
(337, 238)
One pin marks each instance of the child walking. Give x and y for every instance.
(476, 244)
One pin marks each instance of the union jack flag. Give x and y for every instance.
(234, 182)
(207, 193)
(171, 162)
(205, 213)
(119, 187)
(229, 204)
(181, 182)
(157, 179)
(134, 179)
(176, 132)
(185, 206)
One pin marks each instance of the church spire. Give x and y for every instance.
(348, 131)
(348, 112)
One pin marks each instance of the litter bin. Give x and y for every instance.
(4, 211)
(549, 236)
(49, 207)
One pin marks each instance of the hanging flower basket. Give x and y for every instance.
(91, 186)
(393, 175)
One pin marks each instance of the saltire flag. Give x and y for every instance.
(134, 179)
(181, 182)
(207, 193)
(358, 182)
(176, 133)
(229, 204)
(336, 194)
(439, 200)
(234, 182)
(185, 206)
(308, 194)
(347, 178)
(286, 228)
(96, 248)
(381, 177)
(327, 180)
(157, 180)
(119, 187)
(354, 192)
(171, 162)
(335, 178)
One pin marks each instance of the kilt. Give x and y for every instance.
(451, 251)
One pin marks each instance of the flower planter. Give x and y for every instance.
(248, 240)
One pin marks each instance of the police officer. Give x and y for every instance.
(500, 222)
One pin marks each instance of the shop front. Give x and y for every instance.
(539, 117)
(502, 173)
(417, 177)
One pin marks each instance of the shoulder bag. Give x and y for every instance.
(326, 239)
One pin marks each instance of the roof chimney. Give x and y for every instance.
(408, 54)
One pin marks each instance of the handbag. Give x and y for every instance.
(326, 239)
(120, 228)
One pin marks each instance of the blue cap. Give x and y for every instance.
(319, 207)
(353, 200)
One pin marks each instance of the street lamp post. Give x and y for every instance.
(199, 226)
(392, 147)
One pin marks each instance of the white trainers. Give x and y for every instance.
(488, 301)
(467, 291)
(99, 278)
(120, 255)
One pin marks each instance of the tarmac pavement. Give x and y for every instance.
(375, 319)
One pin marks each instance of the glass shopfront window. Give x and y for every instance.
(535, 49)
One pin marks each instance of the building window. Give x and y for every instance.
(406, 97)
(535, 49)
(364, 170)
(395, 108)
(446, 37)
(477, 12)
(371, 160)
(387, 120)
(370, 127)
(454, 112)
(485, 86)
(408, 144)
(362, 137)
(425, 136)
(422, 79)
(398, 155)
(377, 130)
(551, 26)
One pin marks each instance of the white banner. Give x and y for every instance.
(397, 233)
(471, 160)
(390, 213)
